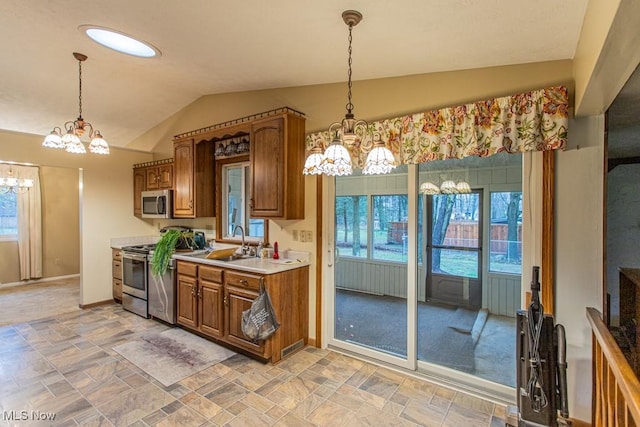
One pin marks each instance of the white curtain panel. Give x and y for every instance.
(29, 211)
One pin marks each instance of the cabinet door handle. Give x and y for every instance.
(193, 291)
(244, 282)
(225, 301)
(251, 203)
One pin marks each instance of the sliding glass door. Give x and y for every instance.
(429, 282)
(371, 253)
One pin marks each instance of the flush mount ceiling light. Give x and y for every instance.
(75, 129)
(119, 41)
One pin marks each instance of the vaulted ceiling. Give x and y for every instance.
(211, 47)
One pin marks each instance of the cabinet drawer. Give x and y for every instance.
(210, 274)
(242, 280)
(116, 269)
(117, 254)
(117, 289)
(187, 268)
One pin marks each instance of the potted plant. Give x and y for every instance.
(171, 240)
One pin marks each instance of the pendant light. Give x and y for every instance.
(337, 160)
(380, 159)
(11, 184)
(74, 130)
(313, 162)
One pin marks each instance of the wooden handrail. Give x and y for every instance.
(616, 389)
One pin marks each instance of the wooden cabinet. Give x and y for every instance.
(160, 177)
(194, 179)
(116, 273)
(211, 301)
(239, 292)
(156, 175)
(210, 295)
(139, 184)
(276, 161)
(200, 298)
(187, 290)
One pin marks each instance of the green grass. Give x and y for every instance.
(458, 263)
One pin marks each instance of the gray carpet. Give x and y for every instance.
(380, 322)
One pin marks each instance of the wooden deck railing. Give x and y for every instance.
(616, 389)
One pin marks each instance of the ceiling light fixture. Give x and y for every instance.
(70, 141)
(120, 41)
(312, 166)
(337, 160)
(10, 184)
(447, 187)
(380, 159)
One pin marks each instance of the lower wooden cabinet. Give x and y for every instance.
(116, 273)
(211, 301)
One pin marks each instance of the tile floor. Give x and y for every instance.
(66, 365)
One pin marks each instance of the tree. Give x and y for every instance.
(442, 206)
(355, 247)
(513, 212)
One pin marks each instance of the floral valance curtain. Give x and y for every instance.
(530, 121)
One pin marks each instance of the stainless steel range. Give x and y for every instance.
(135, 283)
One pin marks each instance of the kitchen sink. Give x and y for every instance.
(226, 258)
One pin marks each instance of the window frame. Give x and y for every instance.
(221, 200)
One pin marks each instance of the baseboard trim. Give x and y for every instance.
(96, 304)
(312, 342)
(31, 282)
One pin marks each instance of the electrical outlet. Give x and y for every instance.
(303, 236)
(295, 235)
(308, 236)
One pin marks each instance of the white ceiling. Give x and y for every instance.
(228, 45)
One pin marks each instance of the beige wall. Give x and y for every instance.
(59, 190)
(60, 209)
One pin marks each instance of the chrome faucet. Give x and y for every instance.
(243, 247)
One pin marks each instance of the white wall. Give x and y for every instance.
(579, 250)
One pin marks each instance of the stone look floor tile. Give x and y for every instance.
(183, 417)
(201, 404)
(66, 364)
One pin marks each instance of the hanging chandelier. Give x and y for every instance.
(11, 184)
(447, 187)
(336, 161)
(74, 130)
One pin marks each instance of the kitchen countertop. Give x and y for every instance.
(256, 265)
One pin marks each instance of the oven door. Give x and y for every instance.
(134, 275)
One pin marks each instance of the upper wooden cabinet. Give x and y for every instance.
(160, 177)
(276, 161)
(139, 184)
(156, 175)
(276, 157)
(194, 179)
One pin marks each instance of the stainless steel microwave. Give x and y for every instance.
(156, 204)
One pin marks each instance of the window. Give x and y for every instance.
(505, 241)
(235, 202)
(352, 226)
(8, 216)
(390, 220)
